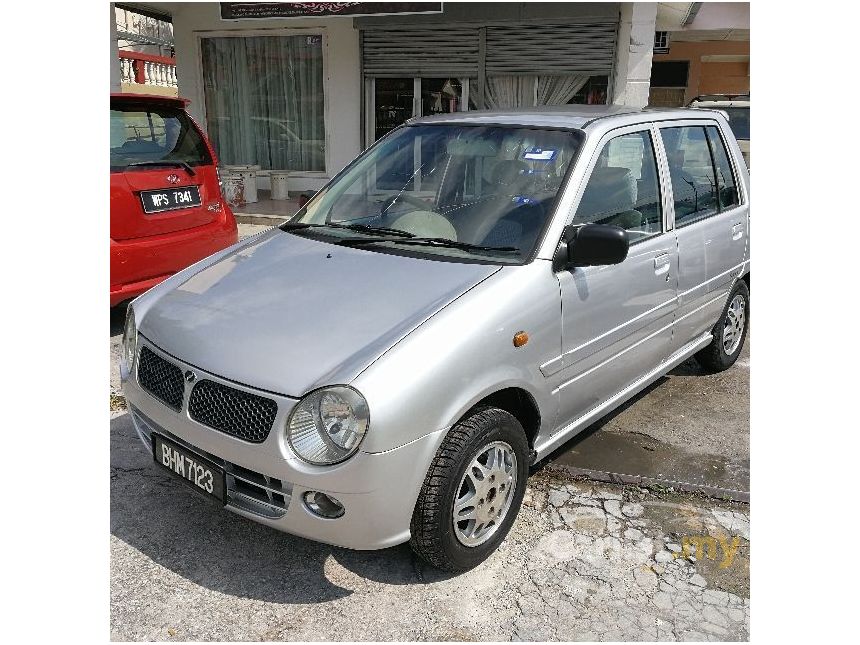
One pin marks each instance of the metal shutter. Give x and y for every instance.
(421, 51)
(584, 48)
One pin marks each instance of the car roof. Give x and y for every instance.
(561, 116)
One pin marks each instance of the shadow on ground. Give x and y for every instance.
(216, 549)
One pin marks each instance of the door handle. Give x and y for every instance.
(661, 264)
(737, 231)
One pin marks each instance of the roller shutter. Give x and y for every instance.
(421, 51)
(584, 48)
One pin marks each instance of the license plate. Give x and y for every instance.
(170, 199)
(193, 469)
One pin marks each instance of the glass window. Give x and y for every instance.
(393, 98)
(623, 189)
(692, 172)
(264, 100)
(472, 186)
(153, 133)
(440, 95)
(739, 121)
(727, 190)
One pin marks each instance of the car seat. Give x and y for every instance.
(609, 198)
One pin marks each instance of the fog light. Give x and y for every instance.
(323, 505)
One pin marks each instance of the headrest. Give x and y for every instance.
(610, 190)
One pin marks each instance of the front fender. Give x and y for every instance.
(428, 380)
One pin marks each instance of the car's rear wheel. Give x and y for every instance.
(472, 491)
(729, 332)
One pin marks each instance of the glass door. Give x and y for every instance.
(393, 100)
(441, 95)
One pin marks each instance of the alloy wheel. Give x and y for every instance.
(733, 327)
(485, 494)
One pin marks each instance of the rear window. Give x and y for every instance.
(154, 133)
(739, 120)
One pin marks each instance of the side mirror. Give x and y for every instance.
(591, 245)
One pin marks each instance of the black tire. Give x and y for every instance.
(432, 527)
(714, 357)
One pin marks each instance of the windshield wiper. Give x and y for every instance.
(364, 228)
(165, 162)
(429, 241)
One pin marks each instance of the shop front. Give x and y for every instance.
(301, 88)
(471, 57)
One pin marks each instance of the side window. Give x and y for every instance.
(727, 188)
(692, 171)
(623, 189)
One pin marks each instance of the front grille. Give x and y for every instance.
(160, 378)
(234, 412)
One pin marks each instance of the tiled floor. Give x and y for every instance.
(267, 207)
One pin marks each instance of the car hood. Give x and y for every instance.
(287, 313)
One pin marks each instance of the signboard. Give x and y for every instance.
(259, 10)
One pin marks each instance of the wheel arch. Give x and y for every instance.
(518, 402)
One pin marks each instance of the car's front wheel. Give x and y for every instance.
(472, 491)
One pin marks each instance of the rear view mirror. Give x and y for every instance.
(472, 148)
(592, 245)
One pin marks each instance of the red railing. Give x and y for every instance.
(147, 69)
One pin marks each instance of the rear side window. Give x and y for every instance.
(623, 189)
(694, 185)
(153, 133)
(727, 187)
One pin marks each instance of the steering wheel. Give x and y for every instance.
(420, 204)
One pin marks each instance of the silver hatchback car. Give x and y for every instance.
(463, 298)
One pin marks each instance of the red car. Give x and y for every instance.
(166, 208)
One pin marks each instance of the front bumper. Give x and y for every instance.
(266, 482)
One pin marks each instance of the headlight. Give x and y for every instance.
(129, 339)
(328, 425)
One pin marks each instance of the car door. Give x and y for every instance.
(617, 319)
(710, 220)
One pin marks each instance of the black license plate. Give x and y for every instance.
(170, 199)
(193, 469)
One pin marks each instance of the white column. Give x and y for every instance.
(114, 53)
(632, 80)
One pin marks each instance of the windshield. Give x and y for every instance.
(147, 134)
(461, 187)
(739, 121)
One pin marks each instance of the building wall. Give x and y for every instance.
(724, 70)
(115, 75)
(341, 71)
(633, 54)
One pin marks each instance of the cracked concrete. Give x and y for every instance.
(583, 561)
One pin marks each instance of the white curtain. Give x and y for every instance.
(264, 101)
(510, 91)
(526, 90)
(558, 90)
